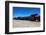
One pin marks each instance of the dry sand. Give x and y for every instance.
(25, 23)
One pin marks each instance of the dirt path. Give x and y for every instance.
(24, 23)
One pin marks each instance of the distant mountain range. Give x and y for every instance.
(33, 17)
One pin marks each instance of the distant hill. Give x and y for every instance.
(33, 17)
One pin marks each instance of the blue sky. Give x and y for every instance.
(25, 11)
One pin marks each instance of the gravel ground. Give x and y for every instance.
(25, 23)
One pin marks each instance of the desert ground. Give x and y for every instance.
(25, 23)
